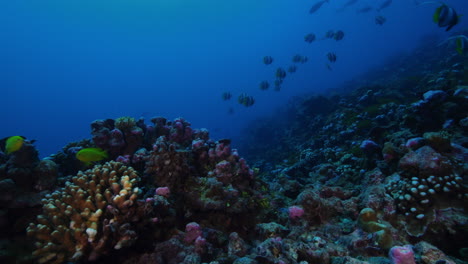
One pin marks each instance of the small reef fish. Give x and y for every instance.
(246, 100)
(299, 58)
(267, 60)
(338, 35)
(292, 68)
(13, 144)
(226, 96)
(331, 56)
(88, 155)
(317, 6)
(461, 44)
(264, 85)
(445, 16)
(280, 73)
(350, 3)
(330, 34)
(309, 37)
(347, 4)
(384, 5)
(366, 9)
(380, 20)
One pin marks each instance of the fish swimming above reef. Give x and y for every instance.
(226, 96)
(338, 35)
(445, 16)
(304, 59)
(298, 58)
(280, 73)
(331, 56)
(292, 68)
(309, 37)
(267, 60)
(246, 100)
(13, 144)
(365, 9)
(330, 34)
(264, 85)
(317, 6)
(384, 5)
(89, 155)
(347, 4)
(380, 20)
(461, 44)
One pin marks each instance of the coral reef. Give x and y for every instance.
(95, 212)
(376, 174)
(393, 147)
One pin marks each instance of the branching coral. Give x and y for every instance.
(89, 216)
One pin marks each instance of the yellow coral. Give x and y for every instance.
(368, 221)
(73, 221)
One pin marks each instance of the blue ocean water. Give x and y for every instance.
(64, 64)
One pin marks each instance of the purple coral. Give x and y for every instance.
(369, 147)
(295, 212)
(402, 255)
(192, 232)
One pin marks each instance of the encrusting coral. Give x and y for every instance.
(91, 215)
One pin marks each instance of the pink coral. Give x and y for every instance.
(180, 132)
(415, 143)
(402, 255)
(116, 139)
(295, 212)
(124, 159)
(163, 191)
(192, 232)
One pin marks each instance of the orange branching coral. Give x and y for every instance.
(90, 216)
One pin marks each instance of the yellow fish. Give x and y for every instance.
(88, 155)
(13, 144)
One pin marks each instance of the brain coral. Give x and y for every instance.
(94, 213)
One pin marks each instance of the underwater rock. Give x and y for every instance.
(7, 191)
(431, 255)
(46, 173)
(415, 143)
(425, 162)
(438, 141)
(434, 96)
(237, 246)
(273, 229)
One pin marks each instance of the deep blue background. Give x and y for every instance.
(64, 64)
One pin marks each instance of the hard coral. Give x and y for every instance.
(90, 216)
(402, 255)
(125, 123)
